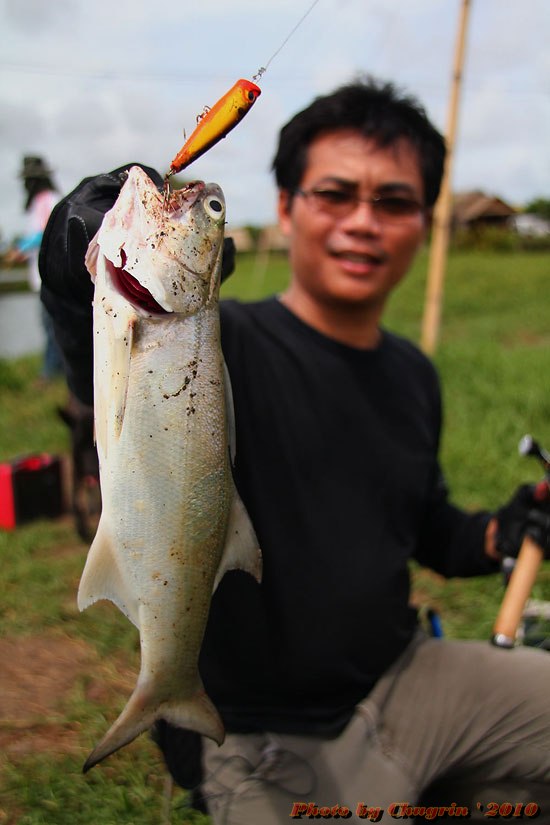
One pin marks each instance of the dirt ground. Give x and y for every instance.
(39, 674)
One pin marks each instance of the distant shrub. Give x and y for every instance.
(532, 243)
(496, 239)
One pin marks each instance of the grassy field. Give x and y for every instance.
(66, 675)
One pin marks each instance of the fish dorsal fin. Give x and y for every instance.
(242, 550)
(102, 578)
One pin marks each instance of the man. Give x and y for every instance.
(327, 691)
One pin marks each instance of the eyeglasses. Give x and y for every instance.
(339, 203)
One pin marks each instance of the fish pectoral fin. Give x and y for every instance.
(194, 713)
(242, 549)
(229, 414)
(102, 578)
(121, 354)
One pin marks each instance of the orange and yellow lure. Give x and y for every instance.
(216, 122)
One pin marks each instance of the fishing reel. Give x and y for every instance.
(521, 620)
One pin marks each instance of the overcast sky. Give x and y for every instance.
(93, 85)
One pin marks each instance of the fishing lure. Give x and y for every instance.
(215, 123)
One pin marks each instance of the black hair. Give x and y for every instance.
(378, 110)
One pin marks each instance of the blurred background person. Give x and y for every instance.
(41, 197)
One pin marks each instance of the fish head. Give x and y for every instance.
(164, 250)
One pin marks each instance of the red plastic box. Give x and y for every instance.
(30, 488)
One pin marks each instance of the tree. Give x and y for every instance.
(539, 206)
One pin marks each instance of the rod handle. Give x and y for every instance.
(517, 592)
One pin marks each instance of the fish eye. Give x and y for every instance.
(213, 207)
(251, 95)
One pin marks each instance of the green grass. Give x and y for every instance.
(493, 360)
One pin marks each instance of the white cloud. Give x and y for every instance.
(93, 85)
(34, 17)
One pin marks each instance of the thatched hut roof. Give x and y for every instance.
(477, 207)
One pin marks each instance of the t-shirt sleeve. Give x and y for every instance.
(451, 540)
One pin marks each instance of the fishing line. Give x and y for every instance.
(263, 69)
(216, 122)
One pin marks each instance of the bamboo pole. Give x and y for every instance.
(431, 321)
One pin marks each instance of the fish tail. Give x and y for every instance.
(194, 713)
(198, 714)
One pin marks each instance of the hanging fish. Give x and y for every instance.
(215, 123)
(172, 521)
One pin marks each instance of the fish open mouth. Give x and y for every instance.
(131, 289)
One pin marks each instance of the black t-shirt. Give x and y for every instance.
(337, 466)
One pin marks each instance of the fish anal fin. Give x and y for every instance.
(102, 578)
(242, 550)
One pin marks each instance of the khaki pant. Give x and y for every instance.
(446, 707)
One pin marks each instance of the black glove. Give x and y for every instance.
(526, 514)
(67, 290)
(228, 258)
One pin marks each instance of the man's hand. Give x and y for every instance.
(526, 514)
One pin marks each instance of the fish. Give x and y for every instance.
(216, 122)
(172, 521)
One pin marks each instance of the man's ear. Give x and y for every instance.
(284, 204)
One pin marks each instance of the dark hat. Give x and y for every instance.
(34, 167)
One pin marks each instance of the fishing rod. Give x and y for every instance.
(215, 123)
(527, 563)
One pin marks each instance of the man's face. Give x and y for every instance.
(357, 257)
